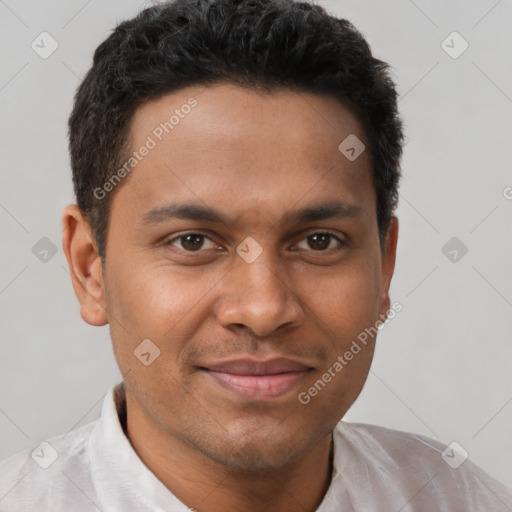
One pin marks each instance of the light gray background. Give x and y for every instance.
(442, 366)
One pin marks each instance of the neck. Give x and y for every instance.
(206, 486)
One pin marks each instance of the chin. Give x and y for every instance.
(259, 453)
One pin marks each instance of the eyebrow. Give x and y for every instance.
(199, 212)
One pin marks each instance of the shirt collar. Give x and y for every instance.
(122, 480)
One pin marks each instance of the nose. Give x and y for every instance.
(257, 298)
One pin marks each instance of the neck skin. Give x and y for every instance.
(206, 486)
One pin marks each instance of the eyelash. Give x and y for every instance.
(323, 232)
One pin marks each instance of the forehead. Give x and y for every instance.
(244, 150)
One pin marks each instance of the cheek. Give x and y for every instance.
(348, 300)
(157, 302)
(163, 305)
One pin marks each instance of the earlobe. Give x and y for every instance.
(388, 264)
(84, 266)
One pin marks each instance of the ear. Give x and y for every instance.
(84, 265)
(388, 254)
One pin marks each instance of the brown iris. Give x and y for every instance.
(192, 242)
(321, 240)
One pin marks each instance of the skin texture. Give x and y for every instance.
(255, 157)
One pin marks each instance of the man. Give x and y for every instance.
(236, 167)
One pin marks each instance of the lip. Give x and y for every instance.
(258, 380)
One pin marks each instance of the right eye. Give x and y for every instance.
(190, 242)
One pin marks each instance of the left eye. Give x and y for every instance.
(321, 241)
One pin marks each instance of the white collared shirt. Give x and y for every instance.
(95, 468)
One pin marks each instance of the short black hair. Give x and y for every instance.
(259, 44)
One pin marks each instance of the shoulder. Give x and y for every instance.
(39, 476)
(403, 461)
(390, 444)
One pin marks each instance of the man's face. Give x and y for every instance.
(214, 311)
